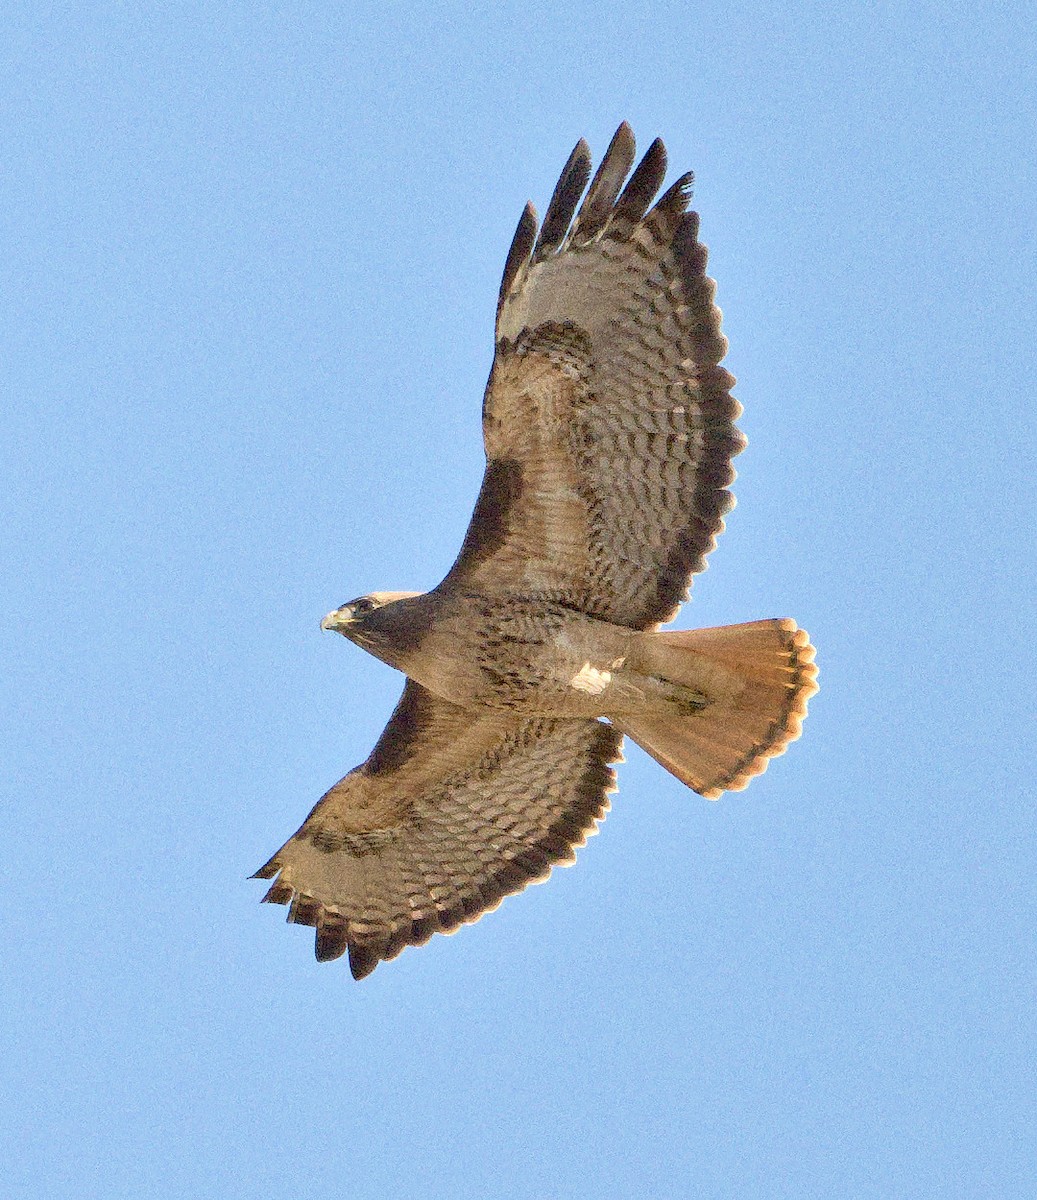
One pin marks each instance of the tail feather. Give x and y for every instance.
(758, 678)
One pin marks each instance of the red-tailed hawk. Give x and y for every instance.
(609, 431)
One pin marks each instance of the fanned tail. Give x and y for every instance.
(757, 679)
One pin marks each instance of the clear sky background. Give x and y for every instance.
(248, 258)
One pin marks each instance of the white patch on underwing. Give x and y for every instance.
(589, 679)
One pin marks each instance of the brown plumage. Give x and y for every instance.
(609, 432)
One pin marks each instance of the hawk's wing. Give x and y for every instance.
(452, 811)
(609, 425)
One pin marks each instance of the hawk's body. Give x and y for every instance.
(519, 654)
(609, 431)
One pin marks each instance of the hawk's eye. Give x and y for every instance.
(363, 605)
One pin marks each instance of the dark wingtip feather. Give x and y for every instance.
(567, 193)
(268, 870)
(604, 188)
(422, 928)
(304, 910)
(691, 256)
(642, 186)
(332, 940)
(362, 960)
(677, 197)
(278, 893)
(398, 940)
(623, 144)
(521, 248)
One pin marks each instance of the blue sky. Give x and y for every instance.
(249, 261)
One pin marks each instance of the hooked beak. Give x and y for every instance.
(334, 621)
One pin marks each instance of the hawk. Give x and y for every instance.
(609, 433)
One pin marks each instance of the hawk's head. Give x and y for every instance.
(381, 622)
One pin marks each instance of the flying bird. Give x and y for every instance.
(609, 433)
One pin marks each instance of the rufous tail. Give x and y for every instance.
(756, 680)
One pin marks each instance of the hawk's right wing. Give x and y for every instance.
(452, 811)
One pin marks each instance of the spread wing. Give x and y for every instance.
(608, 423)
(452, 811)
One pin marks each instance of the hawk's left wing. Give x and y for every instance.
(452, 811)
(608, 421)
